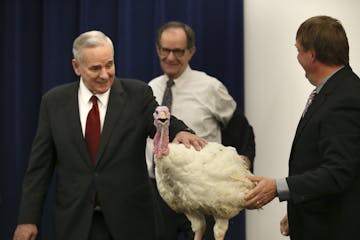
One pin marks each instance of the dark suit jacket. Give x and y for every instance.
(120, 176)
(239, 134)
(324, 165)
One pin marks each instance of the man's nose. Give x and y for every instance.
(104, 73)
(171, 56)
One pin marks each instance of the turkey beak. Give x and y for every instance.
(162, 118)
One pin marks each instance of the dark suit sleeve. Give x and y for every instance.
(328, 153)
(239, 134)
(176, 125)
(39, 172)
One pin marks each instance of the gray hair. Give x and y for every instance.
(89, 40)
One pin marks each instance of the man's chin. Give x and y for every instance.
(102, 89)
(172, 74)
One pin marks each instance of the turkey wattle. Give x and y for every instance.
(197, 183)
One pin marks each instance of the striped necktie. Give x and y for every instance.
(167, 99)
(309, 101)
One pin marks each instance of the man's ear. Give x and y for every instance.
(76, 67)
(192, 51)
(313, 55)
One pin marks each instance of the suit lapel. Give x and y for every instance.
(117, 100)
(311, 111)
(73, 119)
(329, 87)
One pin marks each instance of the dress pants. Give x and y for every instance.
(99, 229)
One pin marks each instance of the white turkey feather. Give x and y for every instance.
(211, 181)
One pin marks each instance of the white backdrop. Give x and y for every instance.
(276, 88)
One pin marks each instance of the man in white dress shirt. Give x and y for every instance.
(201, 101)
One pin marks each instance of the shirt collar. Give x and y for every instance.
(85, 95)
(322, 82)
(181, 80)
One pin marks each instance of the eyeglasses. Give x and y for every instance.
(178, 52)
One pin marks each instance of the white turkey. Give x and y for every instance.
(211, 181)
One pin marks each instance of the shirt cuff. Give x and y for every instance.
(189, 130)
(282, 189)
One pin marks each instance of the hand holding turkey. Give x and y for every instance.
(264, 192)
(189, 139)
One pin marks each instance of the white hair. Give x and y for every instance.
(88, 40)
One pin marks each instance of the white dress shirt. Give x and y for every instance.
(85, 105)
(201, 101)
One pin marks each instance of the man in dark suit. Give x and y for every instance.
(106, 195)
(323, 186)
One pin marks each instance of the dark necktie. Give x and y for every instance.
(167, 99)
(309, 101)
(92, 130)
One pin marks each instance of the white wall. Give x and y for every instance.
(276, 88)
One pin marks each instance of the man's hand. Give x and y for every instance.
(247, 161)
(25, 232)
(263, 193)
(189, 139)
(284, 226)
